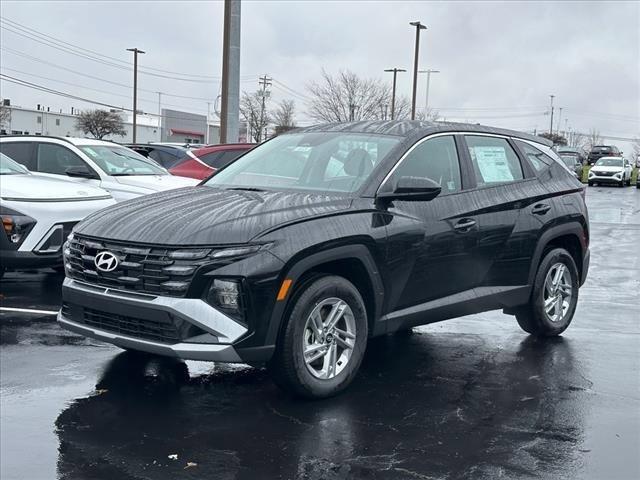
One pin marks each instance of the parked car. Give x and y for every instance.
(117, 169)
(165, 155)
(611, 170)
(565, 150)
(38, 213)
(599, 151)
(573, 162)
(205, 161)
(373, 227)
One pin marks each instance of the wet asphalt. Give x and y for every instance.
(472, 398)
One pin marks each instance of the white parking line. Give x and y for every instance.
(28, 310)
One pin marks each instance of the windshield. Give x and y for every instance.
(120, 161)
(10, 167)
(609, 162)
(569, 160)
(326, 161)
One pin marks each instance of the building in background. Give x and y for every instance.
(174, 126)
(184, 127)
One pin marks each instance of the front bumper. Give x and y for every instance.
(123, 319)
(598, 179)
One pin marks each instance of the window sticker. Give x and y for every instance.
(493, 164)
(90, 152)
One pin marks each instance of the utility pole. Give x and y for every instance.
(419, 27)
(230, 110)
(426, 100)
(265, 82)
(393, 90)
(135, 51)
(160, 114)
(559, 120)
(207, 131)
(551, 126)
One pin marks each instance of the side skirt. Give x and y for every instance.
(476, 300)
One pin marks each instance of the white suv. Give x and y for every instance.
(117, 169)
(611, 170)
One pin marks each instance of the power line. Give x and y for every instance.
(53, 42)
(42, 88)
(39, 60)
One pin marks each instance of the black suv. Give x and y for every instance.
(313, 242)
(599, 151)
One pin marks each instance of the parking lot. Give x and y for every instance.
(469, 398)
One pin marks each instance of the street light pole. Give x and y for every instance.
(426, 100)
(551, 125)
(559, 120)
(419, 27)
(135, 51)
(393, 90)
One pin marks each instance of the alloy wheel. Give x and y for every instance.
(557, 292)
(329, 338)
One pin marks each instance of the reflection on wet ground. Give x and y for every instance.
(442, 404)
(473, 398)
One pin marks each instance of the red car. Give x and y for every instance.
(204, 161)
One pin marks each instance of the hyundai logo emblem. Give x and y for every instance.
(106, 261)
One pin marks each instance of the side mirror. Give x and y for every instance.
(413, 189)
(80, 171)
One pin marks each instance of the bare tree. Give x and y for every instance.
(251, 108)
(429, 115)
(554, 137)
(283, 116)
(5, 114)
(576, 140)
(347, 97)
(100, 123)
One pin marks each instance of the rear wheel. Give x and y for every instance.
(323, 341)
(554, 297)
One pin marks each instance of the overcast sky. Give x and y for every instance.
(499, 62)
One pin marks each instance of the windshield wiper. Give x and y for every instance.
(246, 189)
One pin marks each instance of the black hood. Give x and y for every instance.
(205, 216)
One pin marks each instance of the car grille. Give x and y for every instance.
(151, 270)
(167, 330)
(605, 174)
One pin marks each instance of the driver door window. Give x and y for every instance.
(437, 159)
(52, 158)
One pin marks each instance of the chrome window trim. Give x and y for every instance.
(453, 134)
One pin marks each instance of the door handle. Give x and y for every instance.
(465, 224)
(540, 209)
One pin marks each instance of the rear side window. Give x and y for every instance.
(19, 152)
(536, 158)
(494, 161)
(53, 158)
(166, 159)
(212, 159)
(437, 159)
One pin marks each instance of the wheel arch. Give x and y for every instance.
(353, 262)
(571, 237)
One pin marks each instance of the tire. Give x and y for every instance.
(623, 183)
(629, 182)
(289, 367)
(532, 317)
(590, 184)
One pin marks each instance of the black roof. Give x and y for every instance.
(406, 128)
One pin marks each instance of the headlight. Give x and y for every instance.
(226, 295)
(16, 226)
(619, 174)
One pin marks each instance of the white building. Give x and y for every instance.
(174, 128)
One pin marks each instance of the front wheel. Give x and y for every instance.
(554, 297)
(323, 341)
